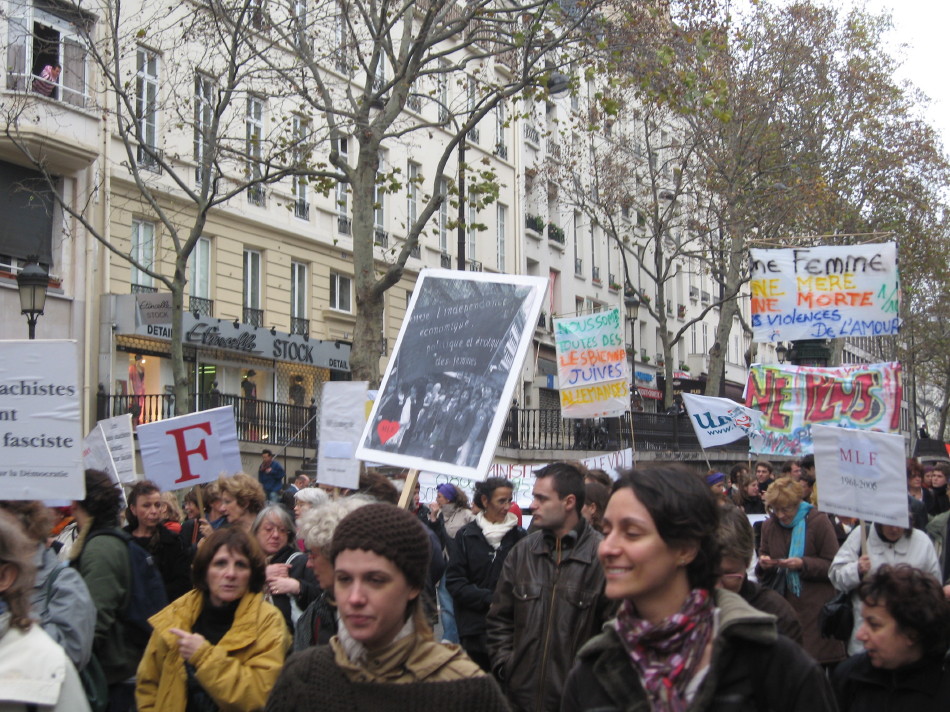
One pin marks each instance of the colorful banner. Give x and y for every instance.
(521, 476)
(40, 429)
(861, 473)
(190, 449)
(791, 398)
(825, 292)
(592, 365)
(718, 421)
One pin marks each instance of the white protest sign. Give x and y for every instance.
(342, 419)
(121, 442)
(190, 449)
(861, 473)
(717, 421)
(96, 455)
(521, 476)
(40, 428)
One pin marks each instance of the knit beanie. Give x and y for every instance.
(390, 531)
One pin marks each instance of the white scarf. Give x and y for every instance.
(494, 533)
(357, 652)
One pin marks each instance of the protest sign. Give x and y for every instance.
(190, 449)
(861, 473)
(118, 435)
(445, 394)
(342, 419)
(521, 476)
(824, 292)
(40, 428)
(96, 455)
(792, 398)
(592, 365)
(718, 421)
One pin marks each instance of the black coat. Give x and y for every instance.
(474, 568)
(171, 557)
(309, 588)
(861, 687)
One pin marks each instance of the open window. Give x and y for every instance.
(41, 39)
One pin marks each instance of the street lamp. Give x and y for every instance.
(32, 283)
(781, 351)
(632, 305)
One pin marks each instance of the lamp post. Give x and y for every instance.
(632, 305)
(32, 283)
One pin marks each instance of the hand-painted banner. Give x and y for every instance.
(861, 473)
(792, 398)
(718, 421)
(825, 292)
(521, 476)
(592, 365)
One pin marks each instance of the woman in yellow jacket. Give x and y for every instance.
(220, 646)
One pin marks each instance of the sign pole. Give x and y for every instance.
(407, 489)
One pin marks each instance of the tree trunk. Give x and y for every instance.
(179, 370)
(364, 355)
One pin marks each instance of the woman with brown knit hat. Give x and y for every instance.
(383, 657)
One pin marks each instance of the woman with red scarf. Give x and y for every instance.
(679, 642)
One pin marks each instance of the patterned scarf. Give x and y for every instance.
(796, 548)
(667, 655)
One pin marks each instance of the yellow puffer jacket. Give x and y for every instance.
(238, 672)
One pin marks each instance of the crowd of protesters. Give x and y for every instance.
(662, 589)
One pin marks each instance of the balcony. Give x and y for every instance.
(344, 225)
(299, 326)
(445, 260)
(694, 293)
(531, 135)
(556, 234)
(501, 150)
(554, 149)
(257, 421)
(253, 317)
(473, 135)
(612, 282)
(578, 267)
(143, 289)
(199, 306)
(414, 103)
(256, 195)
(416, 251)
(473, 265)
(534, 224)
(302, 209)
(148, 159)
(704, 299)
(380, 237)
(595, 275)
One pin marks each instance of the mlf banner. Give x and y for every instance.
(824, 292)
(861, 473)
(718, 421)
(592, 365)
(792, 398)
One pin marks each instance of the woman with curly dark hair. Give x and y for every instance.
(905, 633)
(679, 642)
(220, 646)
(144, 517)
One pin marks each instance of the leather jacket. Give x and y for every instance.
(548, 602)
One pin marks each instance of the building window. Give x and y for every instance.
(472, 219)
(412, 194)
(443, 189)
(301, 150)
(502, 219)
(340, 287)
(252, 279)
(143, 252)
(298, 290)
(146, 106)
(200, 261)
(254, 131)
(37, 39)
(204, 116)
(501, 146)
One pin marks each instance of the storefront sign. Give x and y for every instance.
(190, 449)
(209, 333)
(40, 429)
(154, 308)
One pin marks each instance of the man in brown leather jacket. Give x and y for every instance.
(550, 598)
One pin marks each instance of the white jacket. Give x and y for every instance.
(916, 550)
(34, 670)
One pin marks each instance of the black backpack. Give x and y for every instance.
(146, 595)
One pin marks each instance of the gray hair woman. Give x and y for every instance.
(319, 622)
(289, 584)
